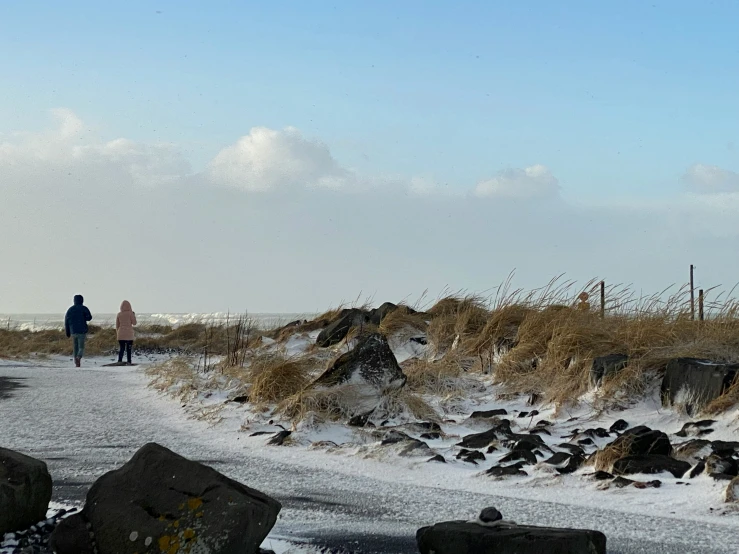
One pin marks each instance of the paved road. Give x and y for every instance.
(89, 421)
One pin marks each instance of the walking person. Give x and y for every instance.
(124, 322)
(75, 325)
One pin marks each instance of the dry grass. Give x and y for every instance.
(726, 401)
(175, 377)
(325, 403)
(401, 319)
(274, 377)
(456, 319)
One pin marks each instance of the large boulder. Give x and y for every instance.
(72, 536)
(25, 491)
(337, 330)
(649, 464)
(371, 362)
(378, 314)
(692, 383)
(605, 366)
(501, 537)
(640, 441)
(161, 502)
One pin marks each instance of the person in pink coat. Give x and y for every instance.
(124, 322)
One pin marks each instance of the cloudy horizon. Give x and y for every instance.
(180, 205)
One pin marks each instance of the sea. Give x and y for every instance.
(40, 322)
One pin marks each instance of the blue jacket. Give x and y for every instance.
(75, 322)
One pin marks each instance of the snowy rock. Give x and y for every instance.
(25, 491)
(371, 362)
(378, 314)
(639, 441)
(461, 537)
(72, 536)
(606, 366)
(721, 465)
(650, 464)
(337, 330)
(176, 505)
(691, 383)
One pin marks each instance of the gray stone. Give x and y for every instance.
(25, 491)
(161, 502)
(606, 366)
(460, 537)
(693, 383)
(371, 362)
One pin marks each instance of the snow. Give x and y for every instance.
(337, 483)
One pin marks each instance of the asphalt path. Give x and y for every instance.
(84, 422)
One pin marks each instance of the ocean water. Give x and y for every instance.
(39, 322)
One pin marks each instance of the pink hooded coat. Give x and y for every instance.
(125, 321)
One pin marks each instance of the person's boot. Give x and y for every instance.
(77, 362)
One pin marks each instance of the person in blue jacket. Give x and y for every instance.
(75, 325)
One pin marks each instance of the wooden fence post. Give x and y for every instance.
(692, 294)
(602, 299)
(700, 304)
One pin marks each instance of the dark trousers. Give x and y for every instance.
(124, 345)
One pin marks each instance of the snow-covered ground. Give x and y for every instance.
(359, 496)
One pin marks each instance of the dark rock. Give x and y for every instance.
(694, 383)
(725, 448)
(490, 515)
(696, 428)
(360, 420)
(438, 458)
(639, 441)
(337, 331)
(72, 536)
(525, 456)
(618, 426)
(606, 366)
(423, 341)
(543, 423)
(431, 436)
(586, 442)
(370, 362)
(523, 414)
(394, 436)
(25, 491)
(572, 448)
(651, 463)
(539, 431)
(697, 470)
(602, 476)
(648, 484)
(460, 537)
(500, 430)
(178, 504)
(414, 447)
(692, 451)
(279, 438)
(716, 463)
(721, 476)
(506, 471)
(241, 399)
(622, 482)
(490, 449)
(488, 413)
(378, 314)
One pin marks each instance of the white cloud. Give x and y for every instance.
(535, 181)
(267, 159)
(711, 179)
(69, 149)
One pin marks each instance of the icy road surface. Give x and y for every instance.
(88, 421)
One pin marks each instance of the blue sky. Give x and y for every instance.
(307, 152)
(616, 98)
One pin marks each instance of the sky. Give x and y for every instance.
(290, 156)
